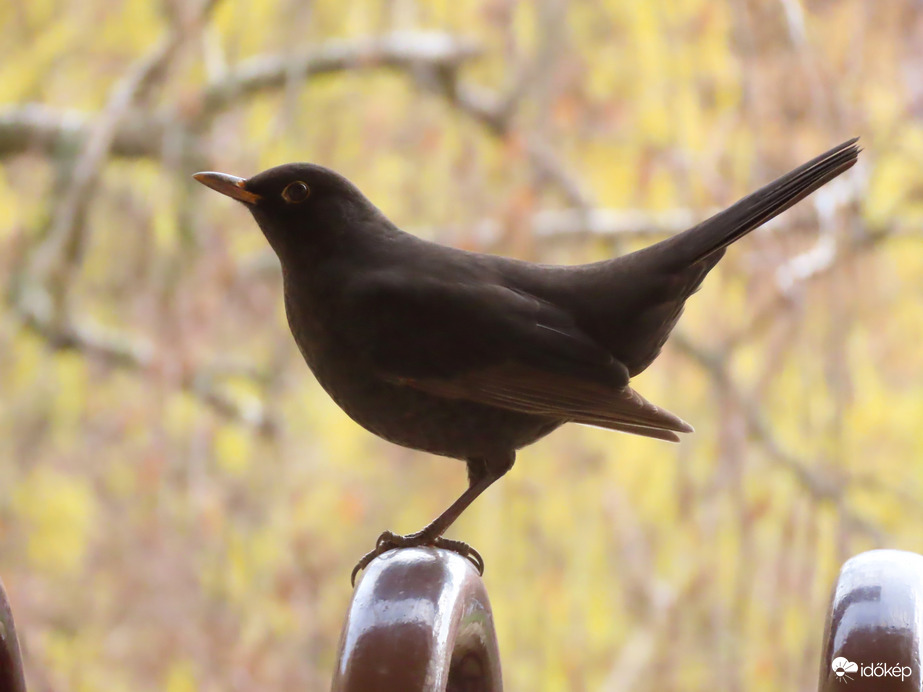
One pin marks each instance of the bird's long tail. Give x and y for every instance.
(722, 229)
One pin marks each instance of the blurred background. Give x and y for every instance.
(181, 504)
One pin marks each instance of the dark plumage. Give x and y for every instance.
(474, 356)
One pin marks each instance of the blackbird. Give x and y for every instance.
(474, 356)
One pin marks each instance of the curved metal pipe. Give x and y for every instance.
(872, 640)
(11, 676)
(419, 621)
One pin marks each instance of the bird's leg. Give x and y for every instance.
(481, 475)
(431, 534)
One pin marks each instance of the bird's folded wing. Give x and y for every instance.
(488, 343)
(525, 389)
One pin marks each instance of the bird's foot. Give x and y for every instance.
(392, 541)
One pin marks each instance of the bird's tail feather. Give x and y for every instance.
(752, 211)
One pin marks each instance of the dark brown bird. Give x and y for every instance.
(474, 356)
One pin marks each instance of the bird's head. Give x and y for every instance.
(300, 207)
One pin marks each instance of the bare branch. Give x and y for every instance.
(597, 223)
(654, 602)
(407, 51)
(601, 223)
(639, 652)
(820, 486)
(129, 353)
(496, 113)
(821, 259)
(550, 167)
(34, 127)
(57, 258)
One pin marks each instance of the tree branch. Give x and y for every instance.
(38, 128)
(597, 223)
(128, 353)
(58, 257)
(496, 113)
(34, 127)
(403, 51)
(820, 486)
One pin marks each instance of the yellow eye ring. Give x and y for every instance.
(296, 192)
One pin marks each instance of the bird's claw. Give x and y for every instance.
(392, 541)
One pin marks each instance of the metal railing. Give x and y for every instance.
(11, 676)
(874, 625)
(420, 621)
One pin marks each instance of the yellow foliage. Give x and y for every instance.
(130, 27)
(58, 513)
(40, 55)
(27, 356)
(890, 186)
(233, 449)
(180, 677)
(70, 391)
(180, 413)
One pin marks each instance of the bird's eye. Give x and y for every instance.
(296, 192)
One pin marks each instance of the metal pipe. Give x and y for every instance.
(872, 640)
(11, 676)
(419, 621)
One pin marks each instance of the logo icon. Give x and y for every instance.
(842, 667)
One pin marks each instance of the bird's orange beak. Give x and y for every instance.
(229, 185)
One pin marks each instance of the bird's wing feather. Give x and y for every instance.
(494, 345)
(513, 386)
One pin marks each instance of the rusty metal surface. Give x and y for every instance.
(11, 677)
(874, 625)
(419, 621)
